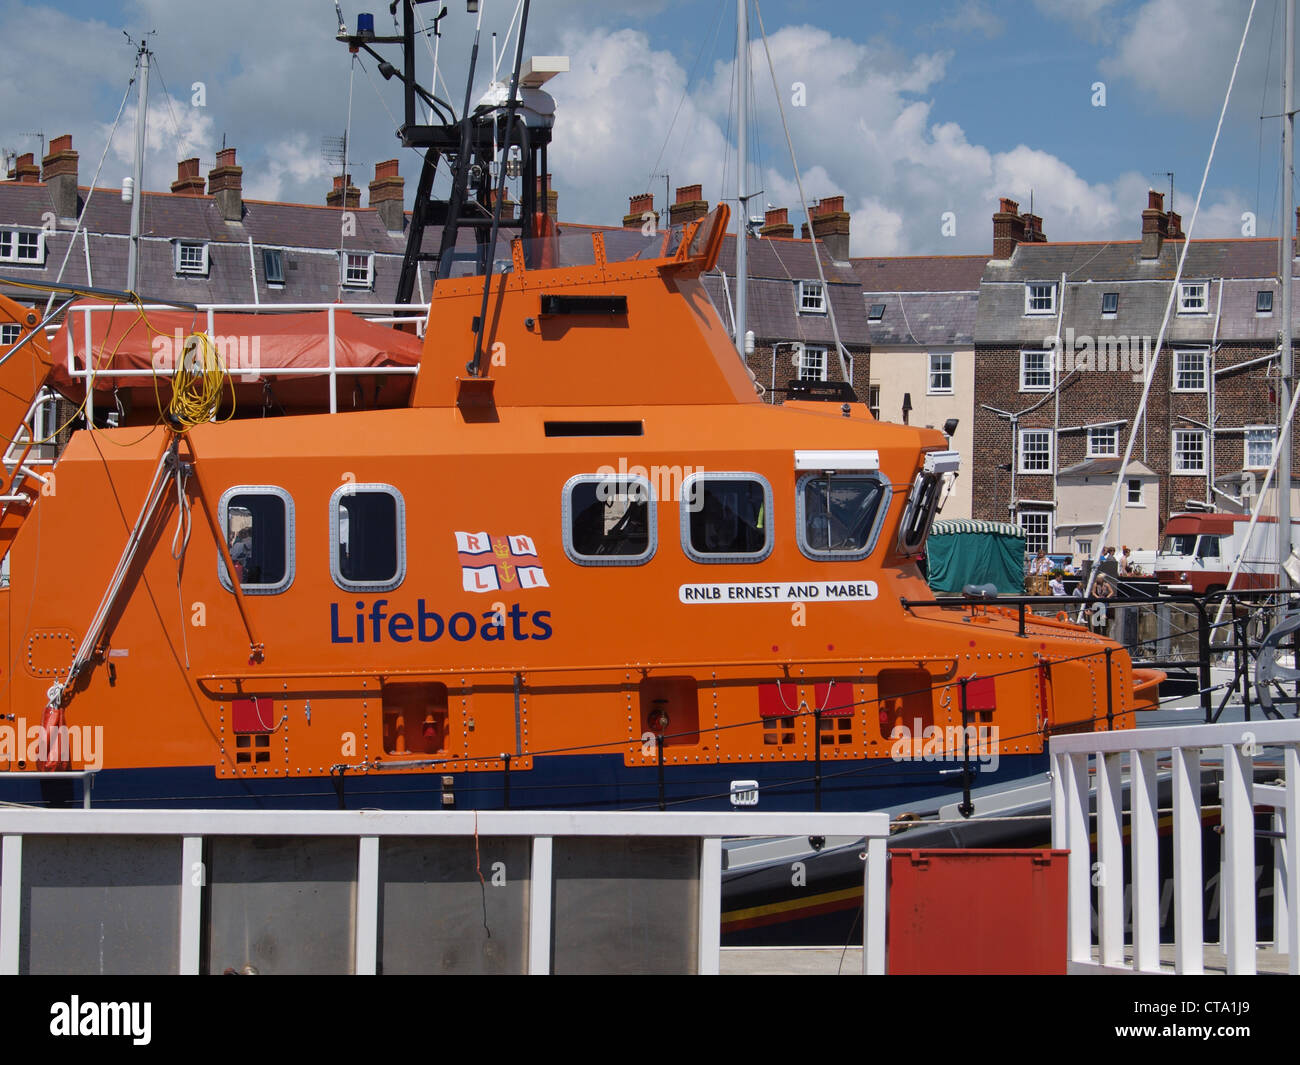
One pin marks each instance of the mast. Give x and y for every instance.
(742, 205)
(1285, 259)
(142, 58)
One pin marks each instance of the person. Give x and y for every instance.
(1057, 584)
(241, 551)
(1041, 566)
(1125, 563)
(1103, 589)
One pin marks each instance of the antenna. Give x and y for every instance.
(41, 135)
(1170, 175)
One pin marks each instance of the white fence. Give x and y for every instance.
(1237, 746)
(178, 900)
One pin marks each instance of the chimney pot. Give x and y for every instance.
(189, 182)
(688, 205)
(60, 173)
(226, 185)
(776, 223)
(348, 197)
(637, 207)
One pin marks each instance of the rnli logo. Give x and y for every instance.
(498, 563)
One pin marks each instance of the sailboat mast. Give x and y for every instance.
(143, 55)
(1285, 256)
(742, 205)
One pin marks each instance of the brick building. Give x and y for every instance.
(1062, 337)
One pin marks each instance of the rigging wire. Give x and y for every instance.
(347, 136)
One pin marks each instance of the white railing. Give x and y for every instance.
(188, 830)
(418, 314)
(1237, 745)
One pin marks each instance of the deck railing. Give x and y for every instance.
(1097, 762)
(365, 883)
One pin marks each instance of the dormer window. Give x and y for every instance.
(25, 246)
(357, 269)
(812, 298)
(1110, 303)
(273, 265)
(1040, 298)
(191, 257)
(1263, 302)
(1193, 297)
(876, 313)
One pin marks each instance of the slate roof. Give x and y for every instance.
(921, 273)
(1246, 266)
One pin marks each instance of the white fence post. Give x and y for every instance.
(539, 908)
(11, 897)
(194, 875)
(710, 928)
(367, 916)
(1292, 762)
(1237, 899)
(874, 906)
(1189, 906)
(1080, 867)
(1110, 860)
(1143, 813)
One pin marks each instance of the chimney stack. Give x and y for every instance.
(1010, 228)
(547, 198)
(830, 223)
(349, 198)
(690, 205)
(189, 182)
(25, 171)
(638, 207)
(386, 196)
(60, 174)
(776, 223)
(1155, 225)
(226, 184)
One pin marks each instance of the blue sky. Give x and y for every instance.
(912, 109)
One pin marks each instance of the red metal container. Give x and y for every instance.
(977, 911)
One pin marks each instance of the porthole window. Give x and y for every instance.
(367, 537)
(257, 521)
(609, 521)
(726, 517)
(838, 514)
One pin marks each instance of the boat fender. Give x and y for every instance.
(53, 728)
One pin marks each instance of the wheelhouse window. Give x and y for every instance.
(1035, 371)
(191, 257)
(812, 297)
(257, 522)
(1189, 371)
(726, 517)
(1040, 297)
(1103, 441)
(837, 514)
(812, 364)
(357, 269)
(367, 537)
(609, 521)
(25, 246)
(941, 374)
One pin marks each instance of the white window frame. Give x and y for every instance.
(1187, 299)
(1271, 430)
(199, 268)
(9, 246)
(1031, 297)
(1094, 452)
(873, 400)
(336, 569)
(643, 488)
(1048, 363)
(1129, 501)
(804, 362)
(345, 269)
(10, 332)
(1022, 451)
(1033, 548)
(1177, 369)
(1185, 471)
(943, 370)
(812, 297)
(290, 560)
(690, 504)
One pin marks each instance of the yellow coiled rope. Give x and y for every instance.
(197, 384)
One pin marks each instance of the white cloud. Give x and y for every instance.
(971, 16)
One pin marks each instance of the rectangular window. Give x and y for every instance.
(1264, 302)
(726, 517)
(609, 521)
(273, 265)
(10, 332)
(1035, 371)
(940, 374)
(1110, 303)
(1259, 446)
(812, 364)
(876, 313)
(837, 514)
(1085, 548)
(1189, 451)
(1037, 527)
(1103, 441)
(873, 400)
(258, 526)
(191, 258)
(1035, 451)
(357, 269)
(1040, 298)
(812, 299)
(25, 246)
(1134, 492)
(1189, 371)
(1193, 297)
(368, 526)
